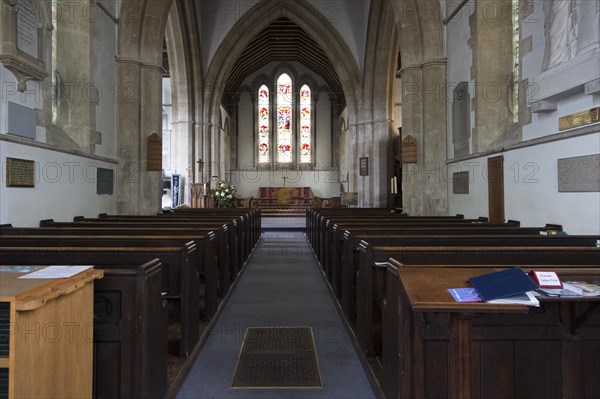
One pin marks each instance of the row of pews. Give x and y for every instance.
(164, 279)
(390, 273)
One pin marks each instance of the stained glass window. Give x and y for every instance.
(305, 124)
(286, 150)
(263, 124)
(284, 119)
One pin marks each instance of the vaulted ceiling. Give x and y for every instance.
(283, 40)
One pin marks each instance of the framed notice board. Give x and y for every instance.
(363, 166)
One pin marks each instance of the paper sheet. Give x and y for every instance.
(58, 271)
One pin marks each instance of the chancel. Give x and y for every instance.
(278, 195)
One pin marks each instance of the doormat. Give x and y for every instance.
(278, 357)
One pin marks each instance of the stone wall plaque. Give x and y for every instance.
(20, 172)
(460, 182)
(409, 149)
(579, 119)
(579, 174)
(21, 42)
(27, 29)
(104, 181)
(154, 153)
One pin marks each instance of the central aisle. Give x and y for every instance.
(281, 286)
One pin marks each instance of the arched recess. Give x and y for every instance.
(139, 53)
(375, 130)
(254, 21)
(181, 35)
(423, 74)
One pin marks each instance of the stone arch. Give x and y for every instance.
(186, 84)
(253, 22)
(374, 132)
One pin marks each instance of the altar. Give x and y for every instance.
(284, 197)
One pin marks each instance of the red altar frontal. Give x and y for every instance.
(284, 196)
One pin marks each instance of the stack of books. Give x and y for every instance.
(514, 286)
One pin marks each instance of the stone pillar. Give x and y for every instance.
(381, 163)
(434, 140)
(128, 136)
(412, 124)
(73, 59)
(138, 90)
(151, 99)
(491, 35)
(198, 150)
(182, 153)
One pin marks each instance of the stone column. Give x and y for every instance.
(491, 35)
(412, 124)
(138, 89)
(434, 140)
(151, 99)
(182, 153)
(128, 136)
(73, 59)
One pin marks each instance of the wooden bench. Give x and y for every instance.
(373, 262)
(240, 234)
(345, 266)
(179, 278)
(130, 333)
(221, 259)
(202, 259)
(435, 347)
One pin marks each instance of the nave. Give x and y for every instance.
(281, 285)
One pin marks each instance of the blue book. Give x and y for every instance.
(502, 284)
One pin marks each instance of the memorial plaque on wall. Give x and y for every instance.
(27, 29)
(154, 153)
(20, 172)
(409, 150)
(579, 174)
(460, 182)
(579, 119)
(104, 181)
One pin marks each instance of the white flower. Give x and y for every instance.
(226, 190)
(230, 196)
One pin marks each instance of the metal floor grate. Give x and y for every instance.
(278, 357)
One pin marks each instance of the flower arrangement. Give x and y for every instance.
(224, 194)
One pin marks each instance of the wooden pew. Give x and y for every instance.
(235, 226)
(345, 266)
(325, 234)
(181, 285)
(221, 257)
(334, 237)
(203, 259)
(130, 334)
(435, 347)
(373, 262)
(222, 229)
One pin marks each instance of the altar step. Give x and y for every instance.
(277, 223)
(283, 212)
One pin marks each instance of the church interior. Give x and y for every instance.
(317, 173)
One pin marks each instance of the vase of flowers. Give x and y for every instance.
(224, 194)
